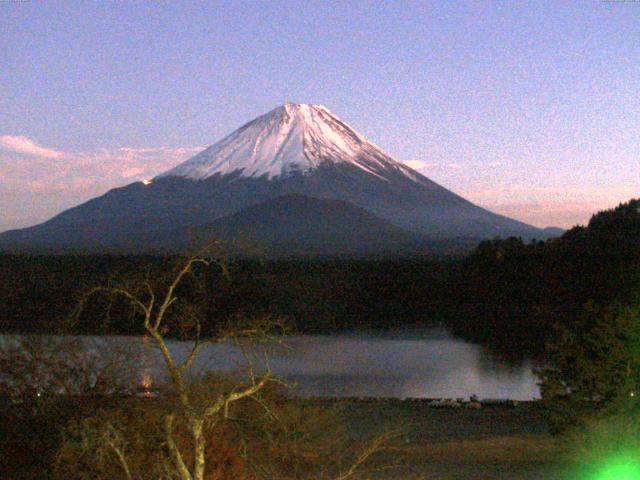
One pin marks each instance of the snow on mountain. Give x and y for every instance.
(291, 138)
(294, 152)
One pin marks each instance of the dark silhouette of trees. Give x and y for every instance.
(595, 369)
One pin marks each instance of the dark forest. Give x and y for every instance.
(506, 294)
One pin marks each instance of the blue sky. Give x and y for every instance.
(531, 109)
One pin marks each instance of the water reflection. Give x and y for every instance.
(432, 364)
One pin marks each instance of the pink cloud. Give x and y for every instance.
(564, 206)
(417, 164)
(36, 186)
(26, 146)
(422, 165)
(40, 188)
(132, 172)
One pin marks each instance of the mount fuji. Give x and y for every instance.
(297, 180)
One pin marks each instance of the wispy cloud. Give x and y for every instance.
(563, 206)
(26, 146)
(103, 167)
(417, 164)
(51, 180)
(130, 163)
(421, 165)
(565, 193)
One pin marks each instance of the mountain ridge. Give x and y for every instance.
(318, 156)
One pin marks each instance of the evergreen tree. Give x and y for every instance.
(596, 367)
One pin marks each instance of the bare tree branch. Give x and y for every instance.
(169, 298)
(376, 445)
(183, 471)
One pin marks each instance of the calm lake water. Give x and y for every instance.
(429, 364)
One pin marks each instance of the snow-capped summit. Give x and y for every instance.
(291, 138)
(297, 179)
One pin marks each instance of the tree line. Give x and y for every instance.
(507, 294)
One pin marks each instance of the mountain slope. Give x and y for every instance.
(298, 225)
(294, 149)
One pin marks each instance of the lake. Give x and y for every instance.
(425, 364)
(429, 364)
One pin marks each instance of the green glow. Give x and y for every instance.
(619, 469)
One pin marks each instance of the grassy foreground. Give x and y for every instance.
(444, 444)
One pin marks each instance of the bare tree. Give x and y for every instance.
(41, 368)
(45, 383)
(183, 425)
(155, 307)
